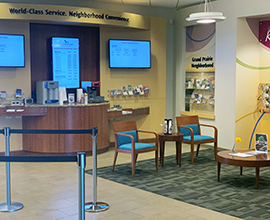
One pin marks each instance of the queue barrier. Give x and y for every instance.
(80, 158)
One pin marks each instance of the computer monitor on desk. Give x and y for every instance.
(90, 87)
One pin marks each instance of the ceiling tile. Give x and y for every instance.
(186, 3)
(109, 1)
(137, 2)
(163, 3)
(155, 3)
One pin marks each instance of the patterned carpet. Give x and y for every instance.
(197, 184)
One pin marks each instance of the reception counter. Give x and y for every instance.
(68, 117)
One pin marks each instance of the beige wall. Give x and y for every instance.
(154, 78)
(15, 78)
(247, 81)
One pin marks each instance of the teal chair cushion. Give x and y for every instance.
(121, 139)
(186, 132)
(198, 138)
(138, 146)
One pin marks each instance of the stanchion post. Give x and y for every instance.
(8, 206)
(81, 161)
(95, 206)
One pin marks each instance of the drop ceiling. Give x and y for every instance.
(154, 3)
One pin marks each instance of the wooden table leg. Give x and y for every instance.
(179, 152)
(162, 144)
(218, 170)
(257, 177)
(241, 171)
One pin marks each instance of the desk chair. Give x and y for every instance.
(127, 141)
(190, 127)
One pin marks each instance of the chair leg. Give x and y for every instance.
(192, 153)
(156, 155)
(114, 160)
(215, 150)
(136, 157)
(198, 148)
(133, 161)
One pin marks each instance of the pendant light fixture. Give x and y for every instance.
(206, 17)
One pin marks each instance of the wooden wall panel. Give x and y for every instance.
(99, 119)
(69, 117)
(41, 53)
(72, 118)
(41, 142)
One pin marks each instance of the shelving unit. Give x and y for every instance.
(129, 112)
(128, 93)
(199, 97)
(264, 97)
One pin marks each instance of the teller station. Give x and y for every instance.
(50, 109)
(77, 116)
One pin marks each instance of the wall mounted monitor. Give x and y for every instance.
(65, 61)
(129, 54)
(12, 50)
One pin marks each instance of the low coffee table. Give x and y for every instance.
(170, 137)
(257, 161)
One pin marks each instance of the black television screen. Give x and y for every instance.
(129, 54)
(65, 61)
(12, 50)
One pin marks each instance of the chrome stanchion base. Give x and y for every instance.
(14, 206)
(96, 207)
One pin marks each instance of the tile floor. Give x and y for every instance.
(49, 191)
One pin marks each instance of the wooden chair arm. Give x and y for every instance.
(151, 132)
(211, 126)
(148, 140)
(208, 126)
(128, 135)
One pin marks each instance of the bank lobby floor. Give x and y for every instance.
(49, 191)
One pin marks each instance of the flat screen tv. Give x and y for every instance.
(129, 54)
(12, 50)
(65, 61)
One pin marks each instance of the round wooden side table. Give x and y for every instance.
(170, 137)
(257, 161)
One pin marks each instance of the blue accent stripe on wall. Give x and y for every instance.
(202, 39)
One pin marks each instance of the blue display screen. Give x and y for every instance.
(129, 54)
(65, 60)
(12, 50)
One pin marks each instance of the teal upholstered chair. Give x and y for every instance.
(127, 141)
(190, 127)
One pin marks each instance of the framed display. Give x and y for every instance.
(261, 142)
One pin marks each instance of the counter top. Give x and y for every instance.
(125, 109)
(127, 112)
(53, 105)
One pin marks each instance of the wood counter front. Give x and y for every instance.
(67, 117)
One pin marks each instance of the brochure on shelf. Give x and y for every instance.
(146, 90)
(124, 90)
(118, 91)
(136, 90)
(130, 90)
(140, 87)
